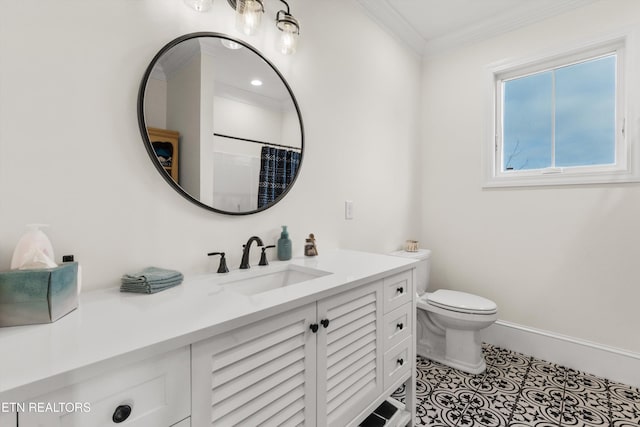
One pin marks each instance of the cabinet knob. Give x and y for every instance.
(400, 326)
(400, 362)
(121, 413)
(400, 290)
(325, 322)
(313, 327)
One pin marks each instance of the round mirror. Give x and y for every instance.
(220, 123)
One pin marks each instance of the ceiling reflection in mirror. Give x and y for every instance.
(221, 124)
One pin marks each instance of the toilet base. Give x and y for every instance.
(458, 348)
(471, 368)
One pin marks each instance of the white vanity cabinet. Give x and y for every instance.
(323, 364)
(8, 419)
(151, 393)
(319, 365)
(324, 353)
(184, 423)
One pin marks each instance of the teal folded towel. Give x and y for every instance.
(150, 280)
(151, 274)
(145, 288)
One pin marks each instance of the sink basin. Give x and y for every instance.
(256, 281)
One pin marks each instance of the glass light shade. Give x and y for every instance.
(288, 39)
(290, 29)
(199, 5)
(248, 15)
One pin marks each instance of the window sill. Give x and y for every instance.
(560, 179)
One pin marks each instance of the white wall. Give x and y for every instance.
(207, 125)
(290, 129)
(184, 91)
(71, 154)
(156, 103)
(232, 119)
(561, 259)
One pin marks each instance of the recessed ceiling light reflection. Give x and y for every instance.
(256, 82)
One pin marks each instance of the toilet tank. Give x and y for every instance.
(423, 269)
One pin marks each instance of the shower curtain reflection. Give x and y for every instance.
(278, 167)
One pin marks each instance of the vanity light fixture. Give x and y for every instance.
(290, 30)
(248, 16)
(199, 5)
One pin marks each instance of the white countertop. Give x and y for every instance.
(110, 325)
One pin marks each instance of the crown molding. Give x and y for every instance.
(387, 16)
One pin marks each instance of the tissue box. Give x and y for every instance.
(38, 296)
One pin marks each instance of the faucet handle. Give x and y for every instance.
(263, 257)
(222, 268)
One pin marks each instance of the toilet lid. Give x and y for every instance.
(461, 301)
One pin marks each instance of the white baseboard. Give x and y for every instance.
(597, 359)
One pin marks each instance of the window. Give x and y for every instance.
(560, 120)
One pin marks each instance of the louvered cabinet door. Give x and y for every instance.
(262, 374)
(350, 354)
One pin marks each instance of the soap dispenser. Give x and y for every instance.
(284, 245)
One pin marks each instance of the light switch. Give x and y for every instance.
(348, 209)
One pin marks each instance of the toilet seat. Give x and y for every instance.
(461, 302)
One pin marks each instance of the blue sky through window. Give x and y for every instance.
(566, 115)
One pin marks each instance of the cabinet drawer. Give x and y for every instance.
(397, 326)
(397, 362)
(398, 290)
(156, 390)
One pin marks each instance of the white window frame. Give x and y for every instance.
(627, 154)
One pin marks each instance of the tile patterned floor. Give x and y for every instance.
(518, 390)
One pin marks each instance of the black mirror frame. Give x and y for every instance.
(149, 147)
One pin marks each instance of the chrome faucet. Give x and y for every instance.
(244, 264)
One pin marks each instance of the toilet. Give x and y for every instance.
(449, 322)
